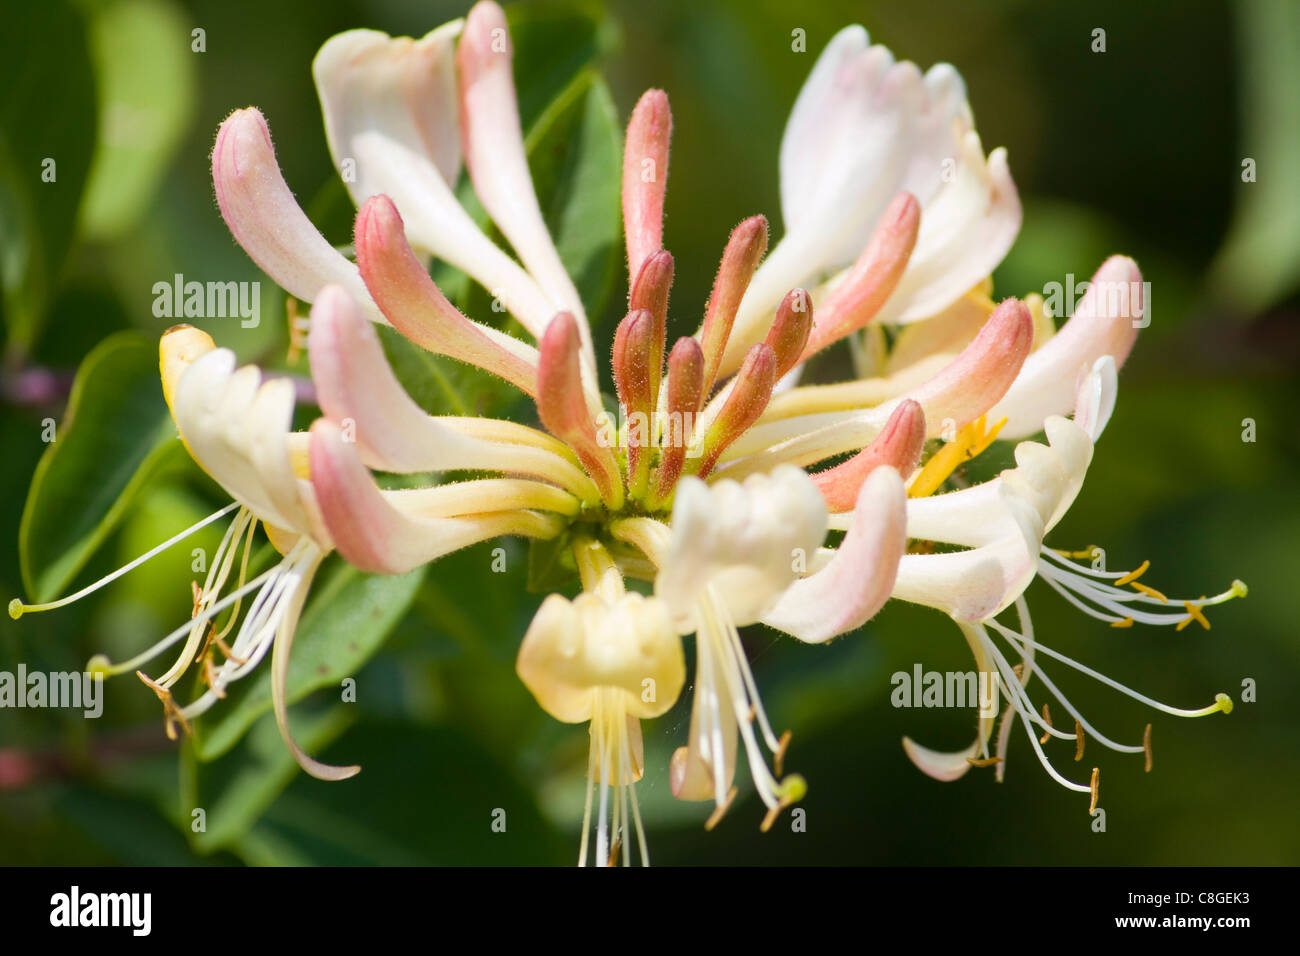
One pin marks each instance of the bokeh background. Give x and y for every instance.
(1138, 150)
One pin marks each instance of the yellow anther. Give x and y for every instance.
(983, 761)
(1078, 740)
(1047, 719)
(1196, 613)
(1087, 554)
(1133, 575)
(941, 465)
(987, 438)
(778, 759)
(721, 811)
(1127, 622)
(1095, 786)
(790, 791)
(1149, 592)
(171, 712)
(613, 852)
(1146, 746)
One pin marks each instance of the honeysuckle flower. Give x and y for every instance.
(894, 215)
(237, 426)
(1002, 524)
(863, 130)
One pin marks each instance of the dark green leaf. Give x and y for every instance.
(47, 119)
(115, 436)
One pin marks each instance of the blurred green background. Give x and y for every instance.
(1138, 150)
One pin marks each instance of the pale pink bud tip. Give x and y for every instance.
(740, 260)
(645, 176)
(872, 279)
(898, 445)
(790, 329)
(562, 404)
(749, 396)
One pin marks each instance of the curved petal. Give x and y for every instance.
(848, 592)
(410, 299)
(494, 153)
(357, 389)
(898, 445)
(974, 585)
(375, 535)
(744, 540)
(391, 110)
(966, 230)
(237, 428)
(962, 391)
(267, 221)
(279, 688)
(944, 766)
(1106, 322)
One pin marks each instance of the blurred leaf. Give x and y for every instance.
(46, 116)
(146, 90)
(347, 618)
(1259, 263)
(575, 152)
(555, 42)
(115, 436)
(442, 385)
(235, 790)
(426, 796)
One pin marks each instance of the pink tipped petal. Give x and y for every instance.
(562, 406)
(357, 390)
(857, 299)
(377, 537)
(267, 221)
(898, 445)
(944, 766)
(966, 230)
(857, 582)
(402, 288)
(645, 177)
(494, 152)
(740, 259)
(1106, 322)
(391, 108)
(966, 388)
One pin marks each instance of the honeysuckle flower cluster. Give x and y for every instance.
(719, 500)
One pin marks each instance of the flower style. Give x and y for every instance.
(700, 489)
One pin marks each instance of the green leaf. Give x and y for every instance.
(116, 435)
(46, 121)
(146, 91)
(347, 618)
(575, 152)
(236, 790)
(555, 42)
(1257, 265)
